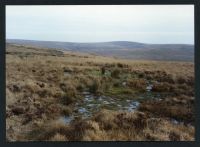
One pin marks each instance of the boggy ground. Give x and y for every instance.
(44, 85)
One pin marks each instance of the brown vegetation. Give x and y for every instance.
(43, 84)
(108, 125)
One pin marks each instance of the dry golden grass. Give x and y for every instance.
(43, 84)
(112, 126)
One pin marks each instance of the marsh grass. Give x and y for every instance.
(43, 84)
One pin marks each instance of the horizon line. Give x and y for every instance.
(97, 41)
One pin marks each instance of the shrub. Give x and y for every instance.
(70, 94)
(190, 81)
(67, 87)
(68, 98)
(14, 88)
(80, 87)
(168, 109)
(44, 92)
(181, 80)
(162, 87)
(103, 70)
(174, 136)
(115, 73)
(137, 83)
(117, 84)
(120, 65)
(58, 137)
(66, 111)
(106, 119)
(140, 74)
(95, 86)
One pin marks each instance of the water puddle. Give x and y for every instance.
(67, 73)
(178, 122)
(92, 104)
(66, 119)
(149, 87)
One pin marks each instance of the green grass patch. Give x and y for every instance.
(121, 92)
(95, 73)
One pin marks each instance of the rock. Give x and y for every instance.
(149, 87)
(124, 83)
(82, 110)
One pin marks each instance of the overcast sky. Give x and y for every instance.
(139, 23)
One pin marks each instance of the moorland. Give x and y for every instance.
(54, 95)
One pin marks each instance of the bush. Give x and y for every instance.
(80, 87)
(115, 73)
(44, 92)
(68, 98)
(95, 87)
(181, 80)
(117, 84)
(163, 87)
(66, 111)
(70, 93)
(137, 83)
(58, 137)
(120, 65)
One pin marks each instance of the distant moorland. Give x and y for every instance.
(61, 95)
(121, 49)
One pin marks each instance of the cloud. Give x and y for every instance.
(164, 23)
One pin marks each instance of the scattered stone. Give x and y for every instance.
(66, 119)
(85, 93)
(82, 110)
(124, 83)
(106, 102)
(175, 121)
(149, 87)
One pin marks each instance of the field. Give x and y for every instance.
(65, 96)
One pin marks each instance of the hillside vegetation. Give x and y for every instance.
(56, 95)
(121, 49)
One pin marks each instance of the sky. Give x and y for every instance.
(100, 23)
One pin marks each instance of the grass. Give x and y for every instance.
(121, 92)
(174, 107)
(111, 126)
(43, 84)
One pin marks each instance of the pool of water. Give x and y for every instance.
(92, 104)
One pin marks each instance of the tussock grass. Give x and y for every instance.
(112, 126)
(43, 84)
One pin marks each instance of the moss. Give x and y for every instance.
(95, 72)
(121, 92)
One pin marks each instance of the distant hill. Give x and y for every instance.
(121, 49)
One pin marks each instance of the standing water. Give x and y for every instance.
(92, 104)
